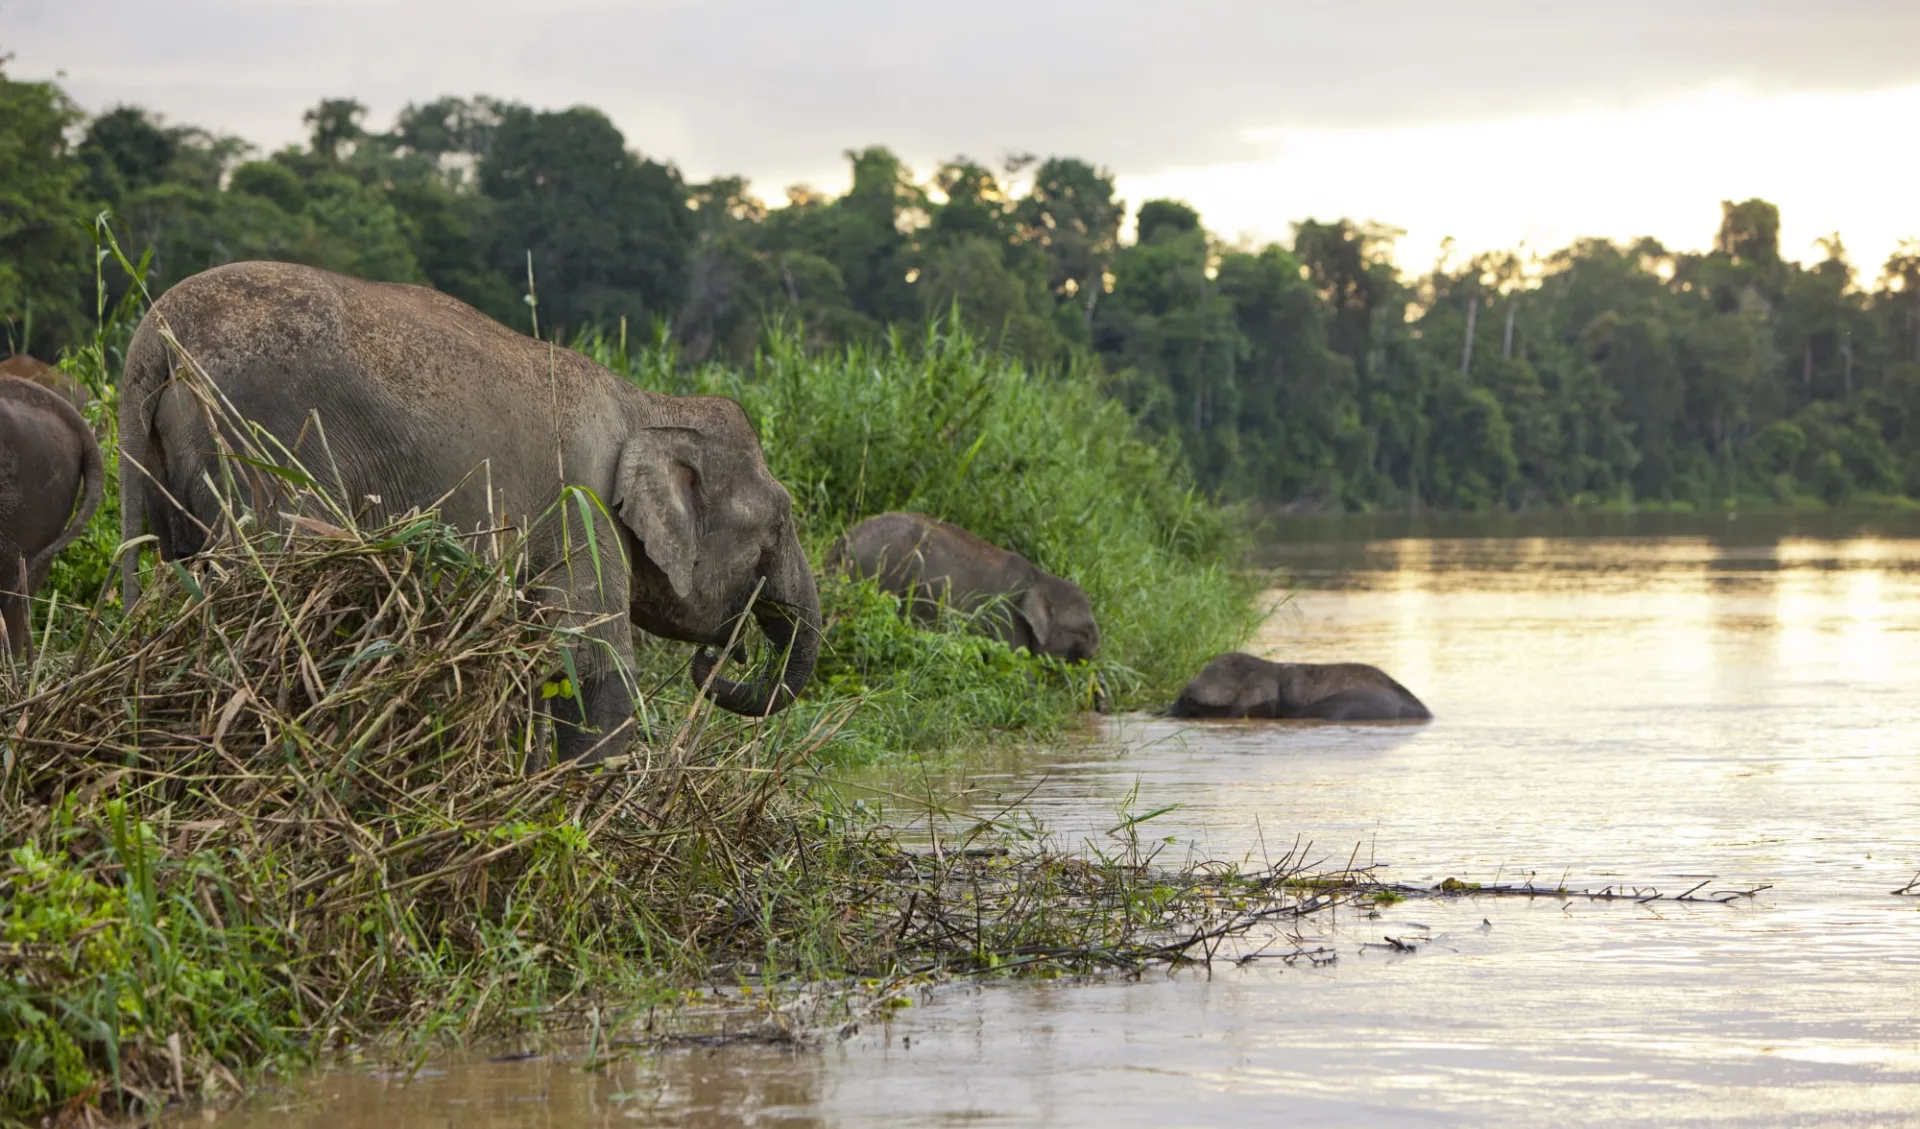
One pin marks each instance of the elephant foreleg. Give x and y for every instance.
(595, 720)
(15, 635)
(16, 631)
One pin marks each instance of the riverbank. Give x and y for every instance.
(298, 801)
(300, 805)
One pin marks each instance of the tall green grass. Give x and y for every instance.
(81, 573)
(1044, 464)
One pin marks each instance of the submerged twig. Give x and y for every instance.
(1452, 887)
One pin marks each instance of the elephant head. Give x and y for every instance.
(716, 536)
(1058, 619)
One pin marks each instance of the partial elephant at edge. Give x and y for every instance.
(1239, 685)
(51, 480)
(928, 561)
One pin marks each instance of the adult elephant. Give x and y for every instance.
(1240, 685)
(421, 401)
(49, 461)
(931, 562)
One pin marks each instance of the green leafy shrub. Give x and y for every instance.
(1046, 465)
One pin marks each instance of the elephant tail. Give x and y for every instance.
(93, 473)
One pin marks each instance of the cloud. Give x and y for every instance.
(777, 89)
(1539, 181)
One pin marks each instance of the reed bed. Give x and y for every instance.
(323, 752)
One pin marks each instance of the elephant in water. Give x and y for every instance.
(422, 400)
(1240, 685)
(49, 461)
(930, 561)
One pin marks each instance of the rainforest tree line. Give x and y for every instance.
(1315, 373)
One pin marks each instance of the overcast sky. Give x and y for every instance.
(1491, 121)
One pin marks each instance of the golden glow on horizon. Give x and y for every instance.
(1832, 162)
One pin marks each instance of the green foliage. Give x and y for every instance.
(609, 233)
(927, 691)
(113, 962)
(43, 201)
(1313, 375)
(1047, 466)
(125, 150)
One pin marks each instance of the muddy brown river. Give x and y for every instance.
(1643, 702)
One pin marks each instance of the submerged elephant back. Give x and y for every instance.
(1232, 685)
(1353, 691)
(1307, 682)
(417, 394)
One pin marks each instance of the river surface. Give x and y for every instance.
(1649, 702)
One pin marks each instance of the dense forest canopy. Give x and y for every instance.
(1316, 374)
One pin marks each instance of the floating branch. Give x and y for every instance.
(1453, 887)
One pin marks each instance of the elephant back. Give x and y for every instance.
(61, 382)
(59, 439)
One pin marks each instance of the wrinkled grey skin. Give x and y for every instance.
(49, 461)
(1240, 685)
(420, 396)
(915, 555)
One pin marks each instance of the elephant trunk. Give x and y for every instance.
(788, 612)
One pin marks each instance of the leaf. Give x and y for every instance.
(379, 648)
(290, 474)
(586, 508)
(187, 581)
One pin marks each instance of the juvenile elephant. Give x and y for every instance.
(930, 561)
(49, 460)
(1240, 685)
(422, 400)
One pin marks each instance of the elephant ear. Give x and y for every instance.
(654, 496)
(1033, 609)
